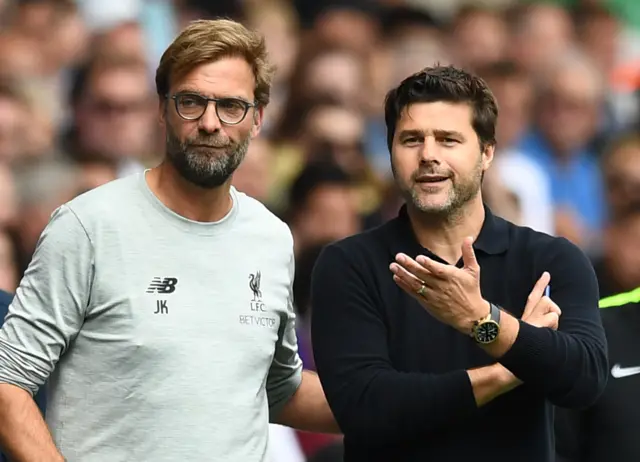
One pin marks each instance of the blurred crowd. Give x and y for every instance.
(78, 108)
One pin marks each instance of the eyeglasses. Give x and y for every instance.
(230, 111)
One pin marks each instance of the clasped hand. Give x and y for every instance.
(452, 295)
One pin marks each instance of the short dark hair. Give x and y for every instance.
(448, 84)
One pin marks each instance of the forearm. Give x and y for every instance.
(24, 436)
(396, 408)
(489, 382)
(570, 369)
(308, 409)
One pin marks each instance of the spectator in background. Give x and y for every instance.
(514, 172)
(571, 96)
(8, 197)
(9, 266)
(277, 21)
(599, 34)
(411, 38)
(254, 177)
(322, 206)
(13, 120)
(540, 34)
(479, 36)
(113, 114)
(350, 23)
(618, 264)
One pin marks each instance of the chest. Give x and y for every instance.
(420, 343)
(162, 298)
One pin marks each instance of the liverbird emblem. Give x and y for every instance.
(254, 284)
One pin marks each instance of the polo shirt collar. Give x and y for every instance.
(492, 240)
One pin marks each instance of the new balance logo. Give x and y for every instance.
(162, 286)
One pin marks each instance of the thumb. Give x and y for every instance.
(552, 318)
(469, 256)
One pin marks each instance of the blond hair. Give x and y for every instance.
(205, 41)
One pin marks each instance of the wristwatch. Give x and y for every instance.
(487, 329)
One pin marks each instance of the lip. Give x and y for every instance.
(428, 179)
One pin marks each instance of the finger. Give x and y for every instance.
(434, 268)
(413, 267)
(410, 280)
(469, 256)
(536, 293)
(551, 306)
(552, 320)
(406, 287)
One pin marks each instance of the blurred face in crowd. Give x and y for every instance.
(411, 48)
(329, 214)
(436, 157)
(58, 30)
(253, 177)
(206, 151)
(600, 37)
(8, 263)
(8, 199)
(338, 74)
(622, 252)
(337, 132)
(125, 39)
(13, 122)
(514, 96)
(622, 178)
(546, 32)
(351, 28)
(479, 38)
(569, 107)
(20, 56)
(115, 117)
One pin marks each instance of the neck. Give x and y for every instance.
(444, 235)
(187, 200)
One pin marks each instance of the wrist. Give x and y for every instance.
(481, 310)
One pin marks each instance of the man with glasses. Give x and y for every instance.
(159, 306)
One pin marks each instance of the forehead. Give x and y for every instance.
(230, 76)
(439, 115)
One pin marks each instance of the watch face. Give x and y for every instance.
(487, 332)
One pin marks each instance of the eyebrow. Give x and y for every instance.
(448, 134)
(192, 90)
(439, 133)
(411, 134)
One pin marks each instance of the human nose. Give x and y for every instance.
(429, 151)
(210, 122)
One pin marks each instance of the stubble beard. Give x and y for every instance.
(461, 192)
(202, 166)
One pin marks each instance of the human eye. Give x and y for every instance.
(411, 141)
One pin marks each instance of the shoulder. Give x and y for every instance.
(543, 245)
(363, 251)
(104, 200)
(563, 259)
(255, 217)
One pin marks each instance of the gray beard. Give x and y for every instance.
(202, 167)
